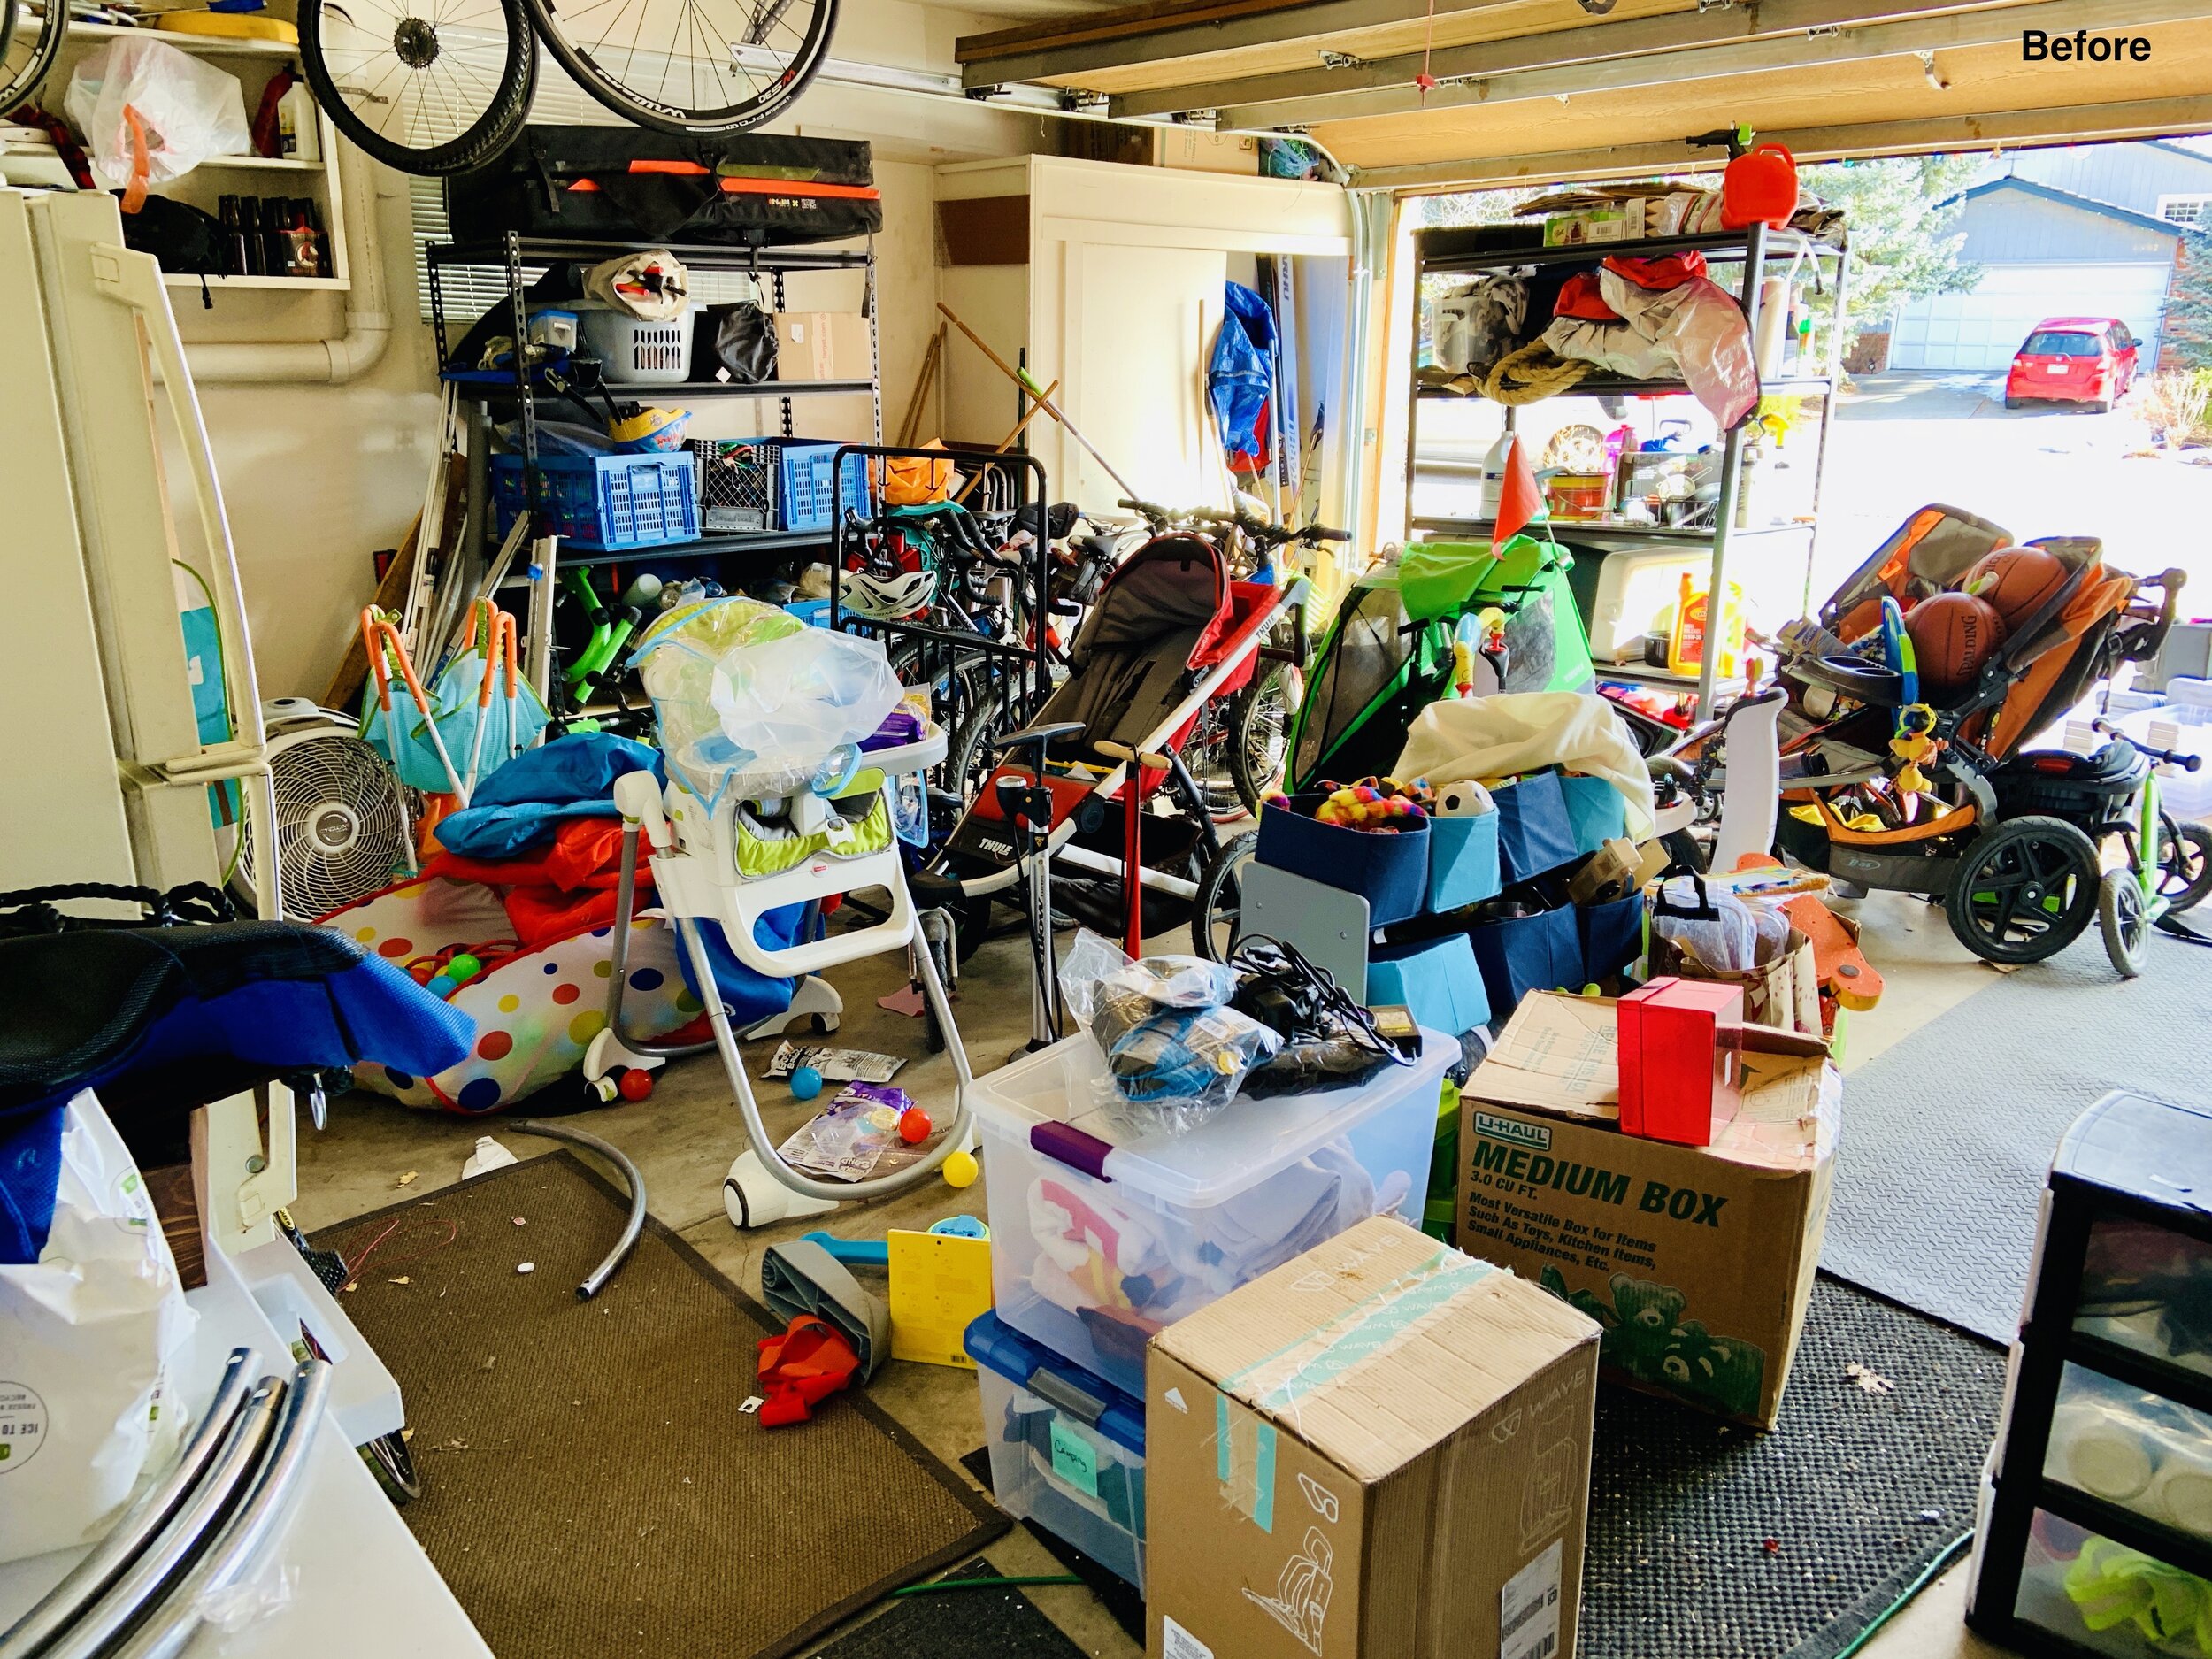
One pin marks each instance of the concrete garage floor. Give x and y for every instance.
(684, 1137)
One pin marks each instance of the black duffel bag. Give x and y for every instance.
(623, 185)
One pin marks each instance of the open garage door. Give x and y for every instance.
(1982, 329)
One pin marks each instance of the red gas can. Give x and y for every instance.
(1759, 187)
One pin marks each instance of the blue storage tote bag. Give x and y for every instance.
(1436, 979)
(1534, 831)
(1612, 935)
(1521, 954)
(1598, 811)
(1463, 861)
(1389, 869)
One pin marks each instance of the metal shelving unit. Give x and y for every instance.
(1471, 250)
(517, 257)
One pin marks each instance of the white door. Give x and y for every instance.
(1138, 314)
(1980, 331)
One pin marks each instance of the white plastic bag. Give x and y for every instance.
(786, 702)
(150, 113)
(88, 1335)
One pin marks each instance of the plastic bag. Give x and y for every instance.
(1711, 339)
(1175, 1052)
(150, 113)
(1711, 923)
(88, 1334)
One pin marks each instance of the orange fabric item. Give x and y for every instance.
(2093, 601)
(785, 187)
(1579, 296)
(1520, 502)
(561, 888)
(802, 1368)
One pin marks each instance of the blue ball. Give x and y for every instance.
(806, 1082)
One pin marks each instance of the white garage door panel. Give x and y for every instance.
(1981, 330)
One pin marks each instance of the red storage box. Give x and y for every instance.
(1681, 1059)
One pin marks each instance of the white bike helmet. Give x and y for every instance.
(887, 598)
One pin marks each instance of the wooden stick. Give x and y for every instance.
(1007, 442)
(391, 592)
(922, 380)
(1045, 404)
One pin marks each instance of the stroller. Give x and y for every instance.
(1409, 632)
(1888, 782)
(1079, 789)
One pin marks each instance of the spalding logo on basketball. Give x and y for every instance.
(1953, 635)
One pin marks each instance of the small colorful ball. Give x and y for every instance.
(960, 1169)
(636, 1084)
(440, 985)
(806, 1082)
(914, 1126)
(462, 968)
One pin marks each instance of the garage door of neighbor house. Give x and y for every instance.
(1981, 330)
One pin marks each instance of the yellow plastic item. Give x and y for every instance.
(229, 26)
(1686, 645)
(940, 1283)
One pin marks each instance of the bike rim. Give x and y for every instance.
(29, 41)
(705, 65)
(418, 74)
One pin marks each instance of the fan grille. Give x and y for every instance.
(341, 832)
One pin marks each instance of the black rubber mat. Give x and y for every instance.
(591, 1487)
(959, 1624)
(1719, 1541)
(1947, 1135)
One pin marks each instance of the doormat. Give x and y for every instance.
(1948, 1136)
(590, 1486)
(959, 1624)
(1710, 1539)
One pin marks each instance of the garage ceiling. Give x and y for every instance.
(1541, 89)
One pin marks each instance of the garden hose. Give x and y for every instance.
(1532, 374)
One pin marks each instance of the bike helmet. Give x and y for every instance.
(887, 598)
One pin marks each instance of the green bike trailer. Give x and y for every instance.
(1389, 652)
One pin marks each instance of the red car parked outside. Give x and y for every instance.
(2073, 360)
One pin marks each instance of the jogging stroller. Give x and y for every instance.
(1396, 647)
(1889, 782)
(1092, 773)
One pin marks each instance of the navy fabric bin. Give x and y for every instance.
(1437, 979)
(1463, 861)
(1535, 833)
(1598, 811)
(1528, 953)
(1612, 935)
(1390, 870)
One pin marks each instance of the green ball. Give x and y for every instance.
(462, 968)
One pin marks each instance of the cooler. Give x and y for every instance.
(1099, 1238)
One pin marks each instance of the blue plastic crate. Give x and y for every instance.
(607, 503)
(805, 493)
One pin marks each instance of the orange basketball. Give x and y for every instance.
(2017, 581)
(1953, 635)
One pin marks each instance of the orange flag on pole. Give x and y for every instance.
(1520, 503)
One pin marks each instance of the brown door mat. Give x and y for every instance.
(590, 1486)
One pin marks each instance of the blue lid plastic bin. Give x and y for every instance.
(607, 504)
(1066, 1446)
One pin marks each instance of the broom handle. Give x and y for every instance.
(1031, 387)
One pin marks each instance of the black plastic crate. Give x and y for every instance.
(737, 484)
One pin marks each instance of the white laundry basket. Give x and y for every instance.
(634, 351)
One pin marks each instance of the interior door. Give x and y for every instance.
(1138, 314)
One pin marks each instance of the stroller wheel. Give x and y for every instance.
(1218, 921)
(2185, 866)
(2126, 925)
(2023, 891)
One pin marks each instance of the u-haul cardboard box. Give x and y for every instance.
(1698, 1261)
(1381, 1448)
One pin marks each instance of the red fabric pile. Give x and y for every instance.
(557, 889)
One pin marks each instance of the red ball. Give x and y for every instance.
(914, 1126)
(636, 1083)
(1953, 635)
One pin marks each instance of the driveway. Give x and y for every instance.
(1901, 440)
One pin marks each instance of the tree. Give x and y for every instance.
(1900, 214)
(2188, 328)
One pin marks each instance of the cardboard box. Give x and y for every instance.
(822, 346)
(1379, 1448)
(1697, 1260)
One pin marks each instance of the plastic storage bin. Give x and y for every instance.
(2181, 722)
(1389, 869)
(634, 352)
(1066, 1446)
(737, 485)
(806, 496)
(1099, 1238)
(1463, 861)
(607, 503)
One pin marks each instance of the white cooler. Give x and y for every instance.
(1098, 1240)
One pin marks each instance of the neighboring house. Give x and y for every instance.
(2083, 230)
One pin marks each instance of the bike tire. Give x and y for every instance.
(481, 137)
(1257, 755)
(22, 73)
(632, 104)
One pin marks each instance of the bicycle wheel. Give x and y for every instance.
(29, 43)
(690, 65)
(1259, 737)
(429, 86)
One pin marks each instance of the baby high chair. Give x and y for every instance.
(797, 810)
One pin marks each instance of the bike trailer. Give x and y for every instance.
(625, 185)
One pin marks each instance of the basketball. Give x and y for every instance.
(2017, 581)
(1953, 635)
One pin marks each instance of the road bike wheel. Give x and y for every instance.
(1218, 919)
(690, 65)
(29, 46)
(1259, 733)
(429, 86)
